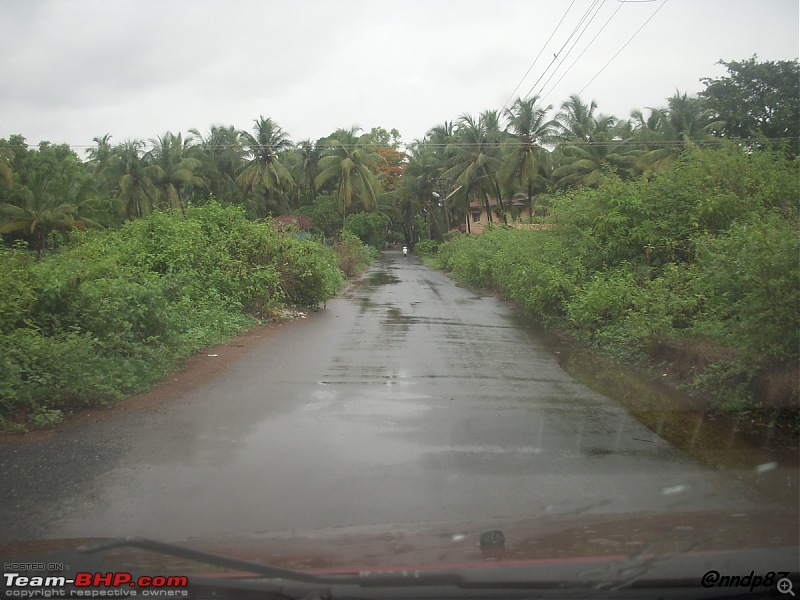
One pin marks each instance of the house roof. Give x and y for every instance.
(302, 222)
(477, 205)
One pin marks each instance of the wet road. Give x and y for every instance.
(407, 400)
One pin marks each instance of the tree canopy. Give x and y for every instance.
(757, 101)
(515, 160)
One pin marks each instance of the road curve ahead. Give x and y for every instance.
(407, 400)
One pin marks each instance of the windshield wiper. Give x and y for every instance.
(270, 572)
(209, 558)
(256, 580)
(294, 584)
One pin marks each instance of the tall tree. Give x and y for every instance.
(304, 166)
(657, 140)
(6, 171)
(757, 101)
(689, 119)
(50, 201)
(651, 139)
(430, 160)
(221, 153)
(352, 168)
(588, 142)
(133, 179)
(378, 136)
(420, 180)
(264, 170)
(99, 157)
(576, 121)
(473, 160)
(439, 136)
(173, 169)
(526, 162)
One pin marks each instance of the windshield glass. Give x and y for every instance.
(359, 290)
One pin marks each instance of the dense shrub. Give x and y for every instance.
(370, 228)
(426, 247)
(309, 272)
(115, 311)
(704, 255)
(352, 255)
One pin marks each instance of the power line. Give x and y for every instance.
(508, 144)
(538, 55)
(550, 91)
(571, 48)
(623, 46)
(555, 56)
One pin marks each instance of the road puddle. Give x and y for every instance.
(761, 456)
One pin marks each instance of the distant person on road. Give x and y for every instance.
(405, 250)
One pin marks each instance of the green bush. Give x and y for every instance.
(426, 247)
(751, 278)
(705, 255)
(352, 255)
(115, 311)
(310, 274)
(370, 228)
(16, 288)
(604, 299)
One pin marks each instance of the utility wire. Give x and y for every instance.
(509, 143)
(564, 45)
(623, 46)
(556, 55)
(550, 91)
(571, 48)
(538, 55)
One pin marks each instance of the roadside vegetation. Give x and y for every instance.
(696, 268)
(668, 238)
(117, 309)
(669, 235)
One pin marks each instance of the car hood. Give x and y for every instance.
(554, 542)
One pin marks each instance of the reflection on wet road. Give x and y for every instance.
(407, 400)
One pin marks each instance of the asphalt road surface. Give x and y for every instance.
(407, 400)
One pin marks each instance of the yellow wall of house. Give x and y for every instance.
(480, 226)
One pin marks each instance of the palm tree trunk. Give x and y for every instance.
(469, 216)
(530, 204)
(500, 200)
(39, 242)
(487, 207)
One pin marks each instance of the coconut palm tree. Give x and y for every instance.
(264, 170)
(576, 121)
(526, 162)
(440, 135)
(588, 142)
(304, 161)
(6, 170)
(690, 119)
(100, 156)
(420, 180)
(666, 132)
(473, 161)
(352, 168)
(652, 147)
(49, 202)
(222, 155)
(133, 179)
(172, 169)
(428, 161)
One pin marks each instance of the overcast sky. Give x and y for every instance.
(71, 70)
